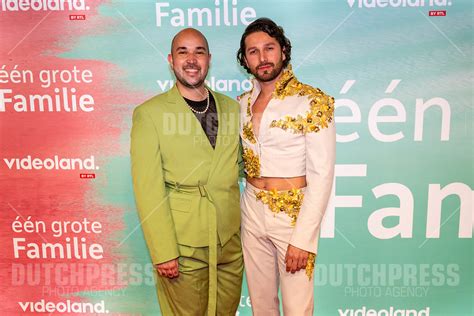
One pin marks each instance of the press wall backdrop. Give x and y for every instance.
(397, 236)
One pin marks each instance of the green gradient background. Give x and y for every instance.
(433, 57)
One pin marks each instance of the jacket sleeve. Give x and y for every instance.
(240, 161)
(320, 160)
(149, 187)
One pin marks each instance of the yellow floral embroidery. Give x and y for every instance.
(289, 202)
(243, 94)
(321, 105)
(310, 265)
(247, 132)
(251, 163)
(249, 104)
(248, 128)
(282, 83)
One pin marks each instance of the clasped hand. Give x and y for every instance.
(168, 269)
(295, 259)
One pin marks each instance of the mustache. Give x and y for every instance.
(265, 65)
(191, 66)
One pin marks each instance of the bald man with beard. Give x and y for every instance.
(185, 168)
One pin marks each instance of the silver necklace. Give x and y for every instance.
(207, 106)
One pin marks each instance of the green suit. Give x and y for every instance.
(186, 192)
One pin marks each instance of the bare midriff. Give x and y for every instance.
(279, 184)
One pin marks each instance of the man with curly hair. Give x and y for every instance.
(289, 140)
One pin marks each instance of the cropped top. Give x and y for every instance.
(297, 137)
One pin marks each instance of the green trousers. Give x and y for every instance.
(188, 294)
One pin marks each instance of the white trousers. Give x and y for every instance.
(265, 237)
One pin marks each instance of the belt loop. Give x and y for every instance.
(176, 186)
(202, 189)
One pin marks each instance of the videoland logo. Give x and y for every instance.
(50, 163)
(43, 5)
(398, 3)
(384, 312)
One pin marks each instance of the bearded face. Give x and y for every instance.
(264, 56)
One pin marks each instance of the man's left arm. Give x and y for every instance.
(320, 163)
(240, 161)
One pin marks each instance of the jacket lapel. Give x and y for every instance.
(220, 128)
(181, 107)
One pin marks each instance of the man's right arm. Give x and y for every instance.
(149, 187)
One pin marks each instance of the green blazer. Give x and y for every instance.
(186, 192)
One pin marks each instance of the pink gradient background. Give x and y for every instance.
(56, 195)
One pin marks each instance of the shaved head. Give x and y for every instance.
(185, 33)
(189, 59)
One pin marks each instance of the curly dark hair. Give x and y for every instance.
(272, 29)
